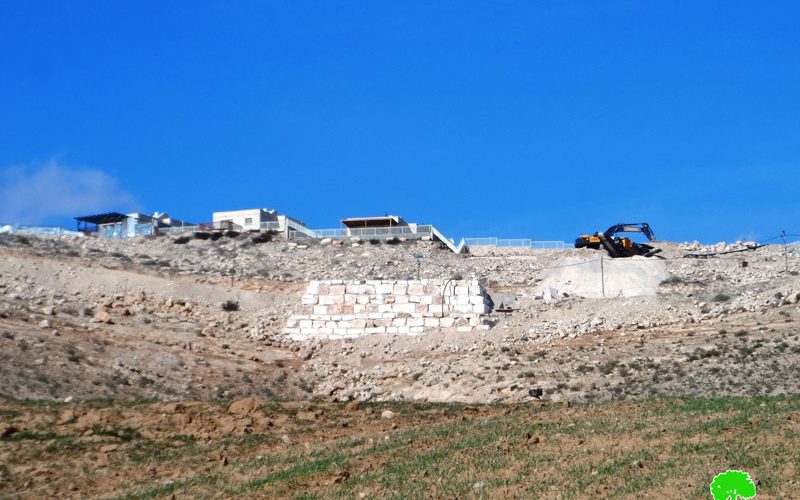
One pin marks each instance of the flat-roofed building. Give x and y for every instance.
(245, 220)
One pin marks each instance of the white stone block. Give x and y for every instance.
(462, 300)
(375, 329)
(400, 289)
(415, 322)
(480, 309)
(321, 310)
(384, 288)
(403, 330)
(447, 322)
(476, 299)
(399, 322)
(401, 299)
(464, 329)
(405, 308)
(462, 290)
(391, 329)
(432, 322)
(416, 329)
(362, 299)
(306, 323)
(385, 308)
(309, 300)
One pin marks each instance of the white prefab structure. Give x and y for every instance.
(245, 219)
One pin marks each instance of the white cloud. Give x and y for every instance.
(37, 194)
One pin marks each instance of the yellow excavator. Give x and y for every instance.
(620, 246)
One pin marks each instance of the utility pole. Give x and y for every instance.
(785, 252)
(418, 256)
(602, 276)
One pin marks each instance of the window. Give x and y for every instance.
(248, 221)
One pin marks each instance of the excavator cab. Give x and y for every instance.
(587, 241)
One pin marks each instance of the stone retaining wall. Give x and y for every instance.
(344, 309)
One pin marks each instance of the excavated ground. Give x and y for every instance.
(90, 328)
(155, 319)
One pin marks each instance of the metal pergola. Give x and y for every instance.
(98, 219)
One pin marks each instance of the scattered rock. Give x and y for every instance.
(244, 406)
(102, 316)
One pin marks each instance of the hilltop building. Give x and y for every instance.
(245, 220)
(117, 225)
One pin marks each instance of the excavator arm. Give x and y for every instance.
(637, 227)
(617, 246)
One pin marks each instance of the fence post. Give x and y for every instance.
(785, 252)
(602, 277)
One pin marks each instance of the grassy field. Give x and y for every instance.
(664, 448)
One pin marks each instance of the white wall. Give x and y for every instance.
(239, 217)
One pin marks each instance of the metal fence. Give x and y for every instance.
(20, 228)
(180, 229)
(143, 229)
(363, 232)
(516, 243)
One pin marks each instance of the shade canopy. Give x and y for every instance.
(106, 218)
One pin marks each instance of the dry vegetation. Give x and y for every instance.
(669, 448)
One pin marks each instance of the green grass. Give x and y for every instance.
(619, 449)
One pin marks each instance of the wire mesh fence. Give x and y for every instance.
(363, 232)
(27, 229)
(516, 243)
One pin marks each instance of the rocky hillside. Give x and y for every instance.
(176, 317)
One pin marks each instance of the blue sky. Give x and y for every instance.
(539, 119)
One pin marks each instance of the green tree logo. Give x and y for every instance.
(732, 485)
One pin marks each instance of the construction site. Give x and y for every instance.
(365, 320)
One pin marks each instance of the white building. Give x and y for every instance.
(245, 220)
(117, 225)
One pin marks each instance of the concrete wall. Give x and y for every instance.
(344, 309)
